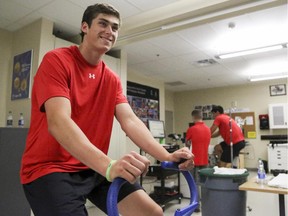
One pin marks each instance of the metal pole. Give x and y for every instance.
(231, 137)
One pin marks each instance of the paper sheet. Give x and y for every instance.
(280, 181)
(249, 120)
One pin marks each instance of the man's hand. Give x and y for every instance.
(130, 167)
(183, 153)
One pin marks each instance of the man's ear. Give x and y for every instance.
(84, 27)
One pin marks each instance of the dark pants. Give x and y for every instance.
(63, 194)
(196, 176)
(226, 154)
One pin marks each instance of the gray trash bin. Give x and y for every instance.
(220, 195)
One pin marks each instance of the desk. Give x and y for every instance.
(251, 185)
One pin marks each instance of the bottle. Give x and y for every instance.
(261, 172)
(21, 120)
(9, 119)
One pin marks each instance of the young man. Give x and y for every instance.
(74, 100)
(198, 137)
(222, 122)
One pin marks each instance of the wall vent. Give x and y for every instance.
(205, 62)
(177, 83)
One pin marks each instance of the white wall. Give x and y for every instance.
(170, 109)
(5, 62)
(169, 100)
(117, 146)
(254, 96)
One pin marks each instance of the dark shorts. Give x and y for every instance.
(63, 194)
(226, 154)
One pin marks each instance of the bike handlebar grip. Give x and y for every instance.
(172, 165)
(112, 197)
(169, 165)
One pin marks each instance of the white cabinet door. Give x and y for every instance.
(118, 138)
(278, 116)
(277, 157)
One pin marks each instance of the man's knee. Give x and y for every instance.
(157, 211)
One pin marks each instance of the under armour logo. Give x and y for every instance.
(91, 76)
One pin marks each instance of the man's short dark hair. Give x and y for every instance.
(197, 114)
(217, 109)
(93, 11)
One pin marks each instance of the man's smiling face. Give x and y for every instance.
(102, 33)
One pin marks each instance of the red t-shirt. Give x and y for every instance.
(93, 91)
(222, 121)
(200, 136)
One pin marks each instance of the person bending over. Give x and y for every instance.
(75, 97)
(222, 123)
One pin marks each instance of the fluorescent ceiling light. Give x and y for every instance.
(252, 51)
(141, 33)
(268, 77)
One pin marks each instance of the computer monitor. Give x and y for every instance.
(157, 128)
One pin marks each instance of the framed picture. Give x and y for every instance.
(278, 90)
(206, 111)
(144, 101)
(22, 66)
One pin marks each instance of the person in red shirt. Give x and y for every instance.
(222, 122)
(198, 136)
(75, 97)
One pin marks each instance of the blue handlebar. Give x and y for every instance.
(188, 210)
(112, 198)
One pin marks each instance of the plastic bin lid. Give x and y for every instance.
(209, 172)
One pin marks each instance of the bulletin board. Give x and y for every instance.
(247, 121)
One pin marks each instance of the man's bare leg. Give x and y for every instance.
(224, 164)
(139, 203)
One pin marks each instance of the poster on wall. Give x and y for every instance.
(206, 111)
(22, 66)
(144, 101)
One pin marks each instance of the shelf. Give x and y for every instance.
(163, 195)
(162, 200)
(157, 171)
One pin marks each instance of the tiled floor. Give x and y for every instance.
(260, 204)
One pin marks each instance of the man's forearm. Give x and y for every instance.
(141, 136)
(216, 134)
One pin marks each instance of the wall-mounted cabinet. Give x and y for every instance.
(278, 116)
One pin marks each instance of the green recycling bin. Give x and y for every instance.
(220, 195)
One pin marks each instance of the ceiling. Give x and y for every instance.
(165, 39)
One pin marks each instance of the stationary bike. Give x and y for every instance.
(113, 192)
